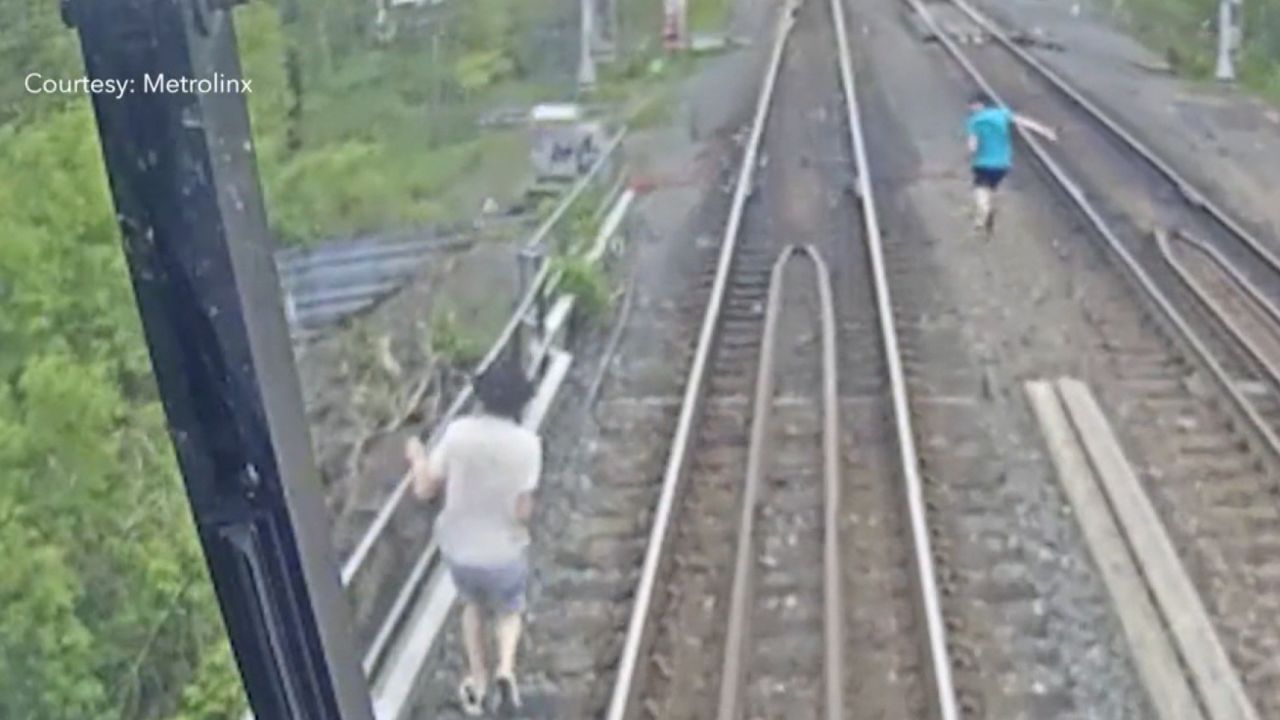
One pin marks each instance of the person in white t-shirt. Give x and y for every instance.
(488, 466)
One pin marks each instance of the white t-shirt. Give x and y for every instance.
(487, 462)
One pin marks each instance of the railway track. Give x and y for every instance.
(1135, 197)
(596, 504)
(745, 619)
(784, 645)
(642, 588)
(1200, 405)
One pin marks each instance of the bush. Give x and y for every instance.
(586, 282)
(459, 349)
(1185, 33)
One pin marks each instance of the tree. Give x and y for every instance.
(105, 609)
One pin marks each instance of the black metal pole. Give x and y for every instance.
(182, 174)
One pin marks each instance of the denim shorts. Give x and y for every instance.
(498, 589)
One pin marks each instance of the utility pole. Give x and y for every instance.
(189, 206)
(1230, 16)
(675, 18)
(291, 19)
(587, 63)
(615, 34)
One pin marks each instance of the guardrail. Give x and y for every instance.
(430, 594)
(384, 571)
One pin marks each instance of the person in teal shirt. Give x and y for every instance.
(991, 151)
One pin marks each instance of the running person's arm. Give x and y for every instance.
(428, 471)
(524, 501)
(524, 507)
(1036, 127)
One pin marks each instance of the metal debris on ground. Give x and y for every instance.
(328, 283)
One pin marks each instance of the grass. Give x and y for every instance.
(708, 15)
(1184, 32)
(386, 138)
(586, 282)
(360, 186)
(652, 112)
(645, 86)
(453, 345)
(389, 141)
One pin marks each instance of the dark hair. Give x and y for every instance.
(503, 389)
(981, 98)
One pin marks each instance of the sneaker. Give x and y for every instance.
(508, 695)
(471, 697)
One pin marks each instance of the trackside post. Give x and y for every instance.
(181, 167)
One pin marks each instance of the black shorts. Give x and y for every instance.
(988, 177)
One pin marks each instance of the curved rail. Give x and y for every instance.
(1186, 188)
(739, 628)
(1129, 263)
(1203, 296)
(691, 407)
(1245, 284)
(939, 659)
(833, 596)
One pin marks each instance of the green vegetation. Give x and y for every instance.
(579, 224)
(708, 15)
(452, 344)
(585, 281)
(106, 612)
(588, 282)
(1184, 32)
(652, 112)
(644, 86)
(386, 135)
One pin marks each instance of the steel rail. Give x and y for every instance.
(1202, 295)
(1193, 195)
(833, 570)
(1129, 263)
(625, 684)
(737, 630)
(1244, 283)
(426, 560)
(738, 638)
(939, 662)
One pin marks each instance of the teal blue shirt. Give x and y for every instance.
(995, 148)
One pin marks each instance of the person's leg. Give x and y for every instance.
(982, 205)
(994, 180)
(473, 642)
(471, 690)
(507, 629)
(981, 197)
(508, 590)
